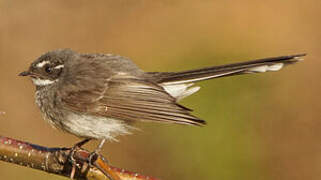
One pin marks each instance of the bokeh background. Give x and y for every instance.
(260, 127)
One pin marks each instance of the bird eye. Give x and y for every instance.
(48, 69)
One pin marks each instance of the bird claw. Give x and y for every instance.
(92, 158)
(73, 161)
(95, 160)
(71, 158)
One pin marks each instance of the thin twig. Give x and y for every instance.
(57, 161)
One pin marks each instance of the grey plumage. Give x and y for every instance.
(99, 96)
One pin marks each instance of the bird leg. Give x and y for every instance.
(95, 159)
(81, 143)
(91, 159)
(95, 153)
(72, 153)
(76, 146)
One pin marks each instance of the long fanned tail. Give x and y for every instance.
(254, 66)
(179, 84)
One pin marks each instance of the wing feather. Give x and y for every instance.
(131, 99)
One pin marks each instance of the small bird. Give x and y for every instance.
(100, 96)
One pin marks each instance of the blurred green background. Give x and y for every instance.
(260, 127)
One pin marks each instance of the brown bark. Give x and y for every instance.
(57, 161)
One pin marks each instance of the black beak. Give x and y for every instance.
(25, 73)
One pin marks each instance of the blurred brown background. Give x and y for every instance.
(260, 127)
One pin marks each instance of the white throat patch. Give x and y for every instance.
(42, 82)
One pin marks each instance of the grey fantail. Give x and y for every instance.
(100, 96)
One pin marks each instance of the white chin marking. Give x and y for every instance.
(42, 82)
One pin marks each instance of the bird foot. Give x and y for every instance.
(71, 158)
(92, 158)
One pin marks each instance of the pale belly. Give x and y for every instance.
(95, 127)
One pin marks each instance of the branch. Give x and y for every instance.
(57, 161)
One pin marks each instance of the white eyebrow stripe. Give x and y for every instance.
(59, 66)
(41, 64)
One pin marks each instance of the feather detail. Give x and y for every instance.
(254, 66)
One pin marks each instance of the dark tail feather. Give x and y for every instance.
(255, 66)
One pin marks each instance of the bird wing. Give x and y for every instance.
(127, 98)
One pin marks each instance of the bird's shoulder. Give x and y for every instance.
(85, 69)
(112, 62)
